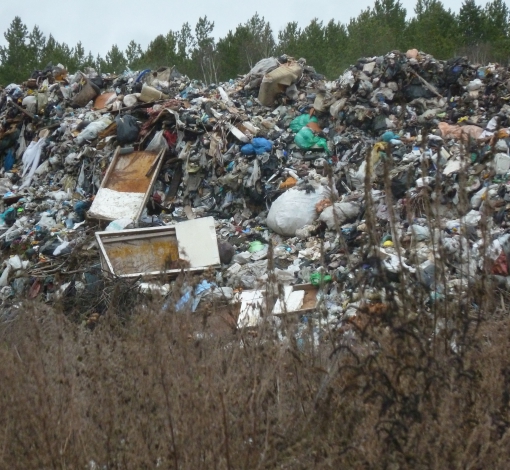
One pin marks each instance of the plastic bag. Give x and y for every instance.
(306, 139)
(293, 210)
(343, 212)
(420, 233)
(258, 146)
(9, 160)
(22, 143)
(42, 101)
(157, 143)
(30, 103)
(317, 278)
(119, 224)
(31, 160)
(93, 129)
(301, 121)
(127, 129)
(263, 66)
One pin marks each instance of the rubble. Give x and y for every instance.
(404, 159)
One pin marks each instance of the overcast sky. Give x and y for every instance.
(100, 23)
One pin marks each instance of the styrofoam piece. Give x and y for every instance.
(112, 204)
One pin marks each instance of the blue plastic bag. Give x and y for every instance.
(9, 160)
(388, 136)
(258, 146)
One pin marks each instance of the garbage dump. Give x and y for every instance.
(399, 167)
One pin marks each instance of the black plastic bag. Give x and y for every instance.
(127, 129)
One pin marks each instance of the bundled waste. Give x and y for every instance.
(398, 169)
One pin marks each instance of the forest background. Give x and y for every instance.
(480, 33)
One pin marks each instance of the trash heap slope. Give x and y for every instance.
(398, 169)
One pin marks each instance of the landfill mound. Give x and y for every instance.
(397, 170)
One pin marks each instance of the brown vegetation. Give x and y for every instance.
(418, 387)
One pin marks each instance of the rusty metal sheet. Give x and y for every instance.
(137, 252)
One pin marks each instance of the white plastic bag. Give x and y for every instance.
(293, 210)
(157, 143)
(419, 233)
(4, 279)
(93, 130)
(22, 143)
(31, 159)
(344, 211)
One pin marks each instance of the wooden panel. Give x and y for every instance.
(310, 300)
(133, 174)
(152, 251)
(100, 101)
(197, 242)
(128, 174)
(144, 255)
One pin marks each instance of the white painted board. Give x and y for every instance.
(197, 242)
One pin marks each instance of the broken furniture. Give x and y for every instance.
(150, 252)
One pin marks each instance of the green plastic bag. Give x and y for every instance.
(316, 279)
(301, 121)
(306, 139)
(256, 246)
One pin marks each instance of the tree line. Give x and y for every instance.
(480, 33)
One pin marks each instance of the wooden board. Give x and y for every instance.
(146, 255)
(134, 173)
(100, 101)
(127, 173)
(197, 242)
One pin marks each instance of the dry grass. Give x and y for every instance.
(157, 391)
(412, 382)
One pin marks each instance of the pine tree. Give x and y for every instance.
(289, 39)
(162, 51)
(497, 17)
(432, 30)
(259, 41)
(15, 56)
(205, 51)
(36, 44)
(115, 62)
(133, 54)
(313, 44)
(49, 51)
(471, 21)
(185, 43)
(335, 37)
(77, 60)
(229, 53)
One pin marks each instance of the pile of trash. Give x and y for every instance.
(400, 168)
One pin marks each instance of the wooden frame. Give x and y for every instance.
(147, 252)
(138, 179)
